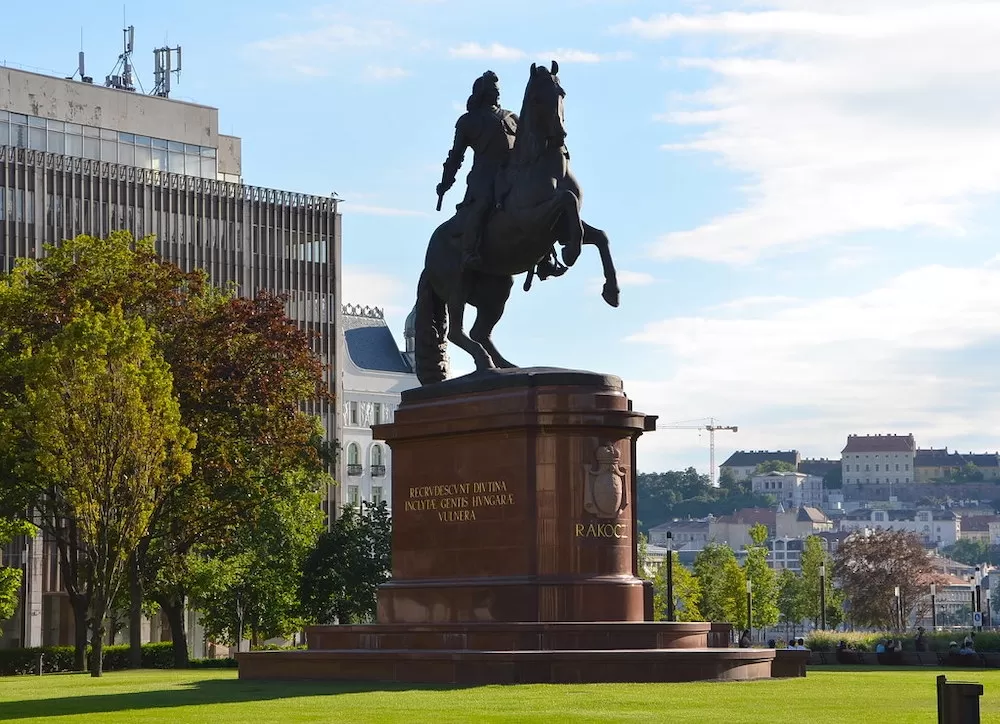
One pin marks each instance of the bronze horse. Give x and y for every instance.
(541, 208)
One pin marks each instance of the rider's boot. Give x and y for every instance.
(548, 268)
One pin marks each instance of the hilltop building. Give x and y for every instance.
(872, 464)
(743, 463)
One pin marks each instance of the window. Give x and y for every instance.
(353, 413)
(353, 459)
(876, 467)
(907, 466)
(377, 494)
(378, 461)
(867, 468)
(897, 468)
(377, 413)
(353, 496)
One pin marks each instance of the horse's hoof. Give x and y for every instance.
(610, 295)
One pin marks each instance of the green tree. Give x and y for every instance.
(774, 466)
(762, 577)
(686, 591)
(709, 567)
(791, 598)
(642, 557)
(733, 597)
(971, 552)
(241, 372)
(10, 577)
(342, 573)
(814, 556)
(251, 589)
(99, 406)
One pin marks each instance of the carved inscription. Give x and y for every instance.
(459, 502)
(600, 530)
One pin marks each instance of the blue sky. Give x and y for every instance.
(801, 195)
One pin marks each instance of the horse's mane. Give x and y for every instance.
(527, 145)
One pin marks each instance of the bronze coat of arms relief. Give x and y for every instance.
(605, 493)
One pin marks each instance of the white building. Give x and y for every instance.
(687, 534)
(872, 464)
(792, 490)
(375, 372)
(743, 463)
(935, 527)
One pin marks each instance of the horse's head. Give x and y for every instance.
(543, 100)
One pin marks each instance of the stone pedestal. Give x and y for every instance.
(511, 501)
(514, 552)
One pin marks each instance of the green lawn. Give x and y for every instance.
(826, 695)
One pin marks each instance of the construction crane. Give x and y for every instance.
(711, 427)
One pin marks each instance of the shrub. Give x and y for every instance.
(226, 663)
(867, 641)
(276, 647)
(57, 659)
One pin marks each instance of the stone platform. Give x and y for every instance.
(513, 548)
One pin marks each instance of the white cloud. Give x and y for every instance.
(634, 279)
(893, 359)
(878, 115)
(374, 210)
(379, 72)
(323, 50)
(494, 51)
(376, 289)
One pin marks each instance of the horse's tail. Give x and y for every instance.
(430, 333)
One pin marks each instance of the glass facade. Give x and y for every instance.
(101, 144)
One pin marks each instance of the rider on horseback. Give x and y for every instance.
(489, 131)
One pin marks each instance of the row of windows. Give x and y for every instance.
(354, 416)
(857, 468)
(877, 480)
(878, 455)
(376, 457)
(102, 144)
(354, 496)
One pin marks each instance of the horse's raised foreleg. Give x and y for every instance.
(457, 335)
(596, 237)
(489, 310)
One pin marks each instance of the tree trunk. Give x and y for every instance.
(79, 605)
(173, 609)
(97, 646)
(134, 613)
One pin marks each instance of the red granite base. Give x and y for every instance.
(510, 653)
(530, 636)
(475, 668)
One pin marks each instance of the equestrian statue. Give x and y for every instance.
(521, 201)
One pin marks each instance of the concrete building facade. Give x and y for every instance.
(76, 158)
(936, 528)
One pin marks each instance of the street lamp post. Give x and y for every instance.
(899, 610)
(822, 596)
(670, 576)
(933, 607)
(987, 613)
(750, 606)
(979, 589)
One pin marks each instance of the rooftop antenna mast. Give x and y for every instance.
(123, 81)
(162, 68)
(80, 66)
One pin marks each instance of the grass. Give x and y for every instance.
(825, 695)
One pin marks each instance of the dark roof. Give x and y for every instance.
(879, 443)
(371, 345)
(818, 467)
(808, 514)
(748, 458)
(978, 522)
(751, 516)
(936, 458)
